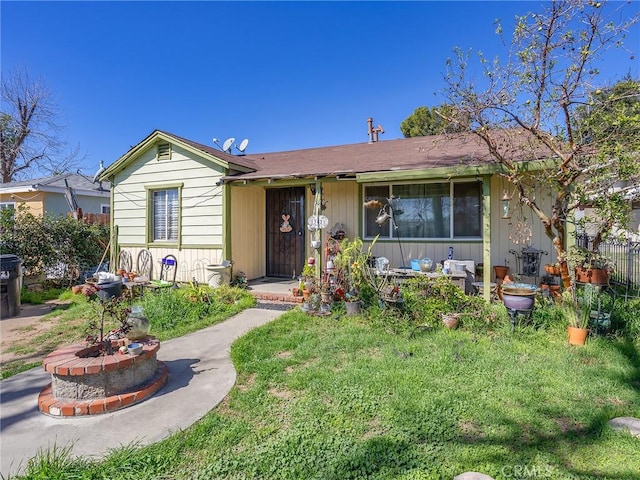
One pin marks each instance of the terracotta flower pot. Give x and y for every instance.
(577, 336)
(501, 271)
(451, 320)
(596, 276)
(552, 269)
(555, 291)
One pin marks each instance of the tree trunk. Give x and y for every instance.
(564, 274)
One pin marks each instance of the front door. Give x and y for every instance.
(285, 232)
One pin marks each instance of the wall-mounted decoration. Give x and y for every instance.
(285, 226)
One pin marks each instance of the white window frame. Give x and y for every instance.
(171, 234)
(388, 232)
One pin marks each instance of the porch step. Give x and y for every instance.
(275, 297)
(280, 306)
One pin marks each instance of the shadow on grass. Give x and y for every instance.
(520, 451)
(630, 351)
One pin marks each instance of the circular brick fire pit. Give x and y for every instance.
(85, 384)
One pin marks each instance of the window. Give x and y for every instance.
(424, 210)
(104, 208)
(165, 215)
(7, 206)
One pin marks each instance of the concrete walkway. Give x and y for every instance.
(200, 376)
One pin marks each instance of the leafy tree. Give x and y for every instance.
(30, 135)
(437, 120)
(615, 128)
(541, 103)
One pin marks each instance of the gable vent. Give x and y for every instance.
(164, 151)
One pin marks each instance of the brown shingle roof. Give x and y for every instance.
(390, 155)
(240, 160)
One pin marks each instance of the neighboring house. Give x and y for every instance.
(175, 196)
(57, 195)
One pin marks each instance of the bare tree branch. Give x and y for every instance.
(31, 140)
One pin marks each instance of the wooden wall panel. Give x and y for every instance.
(248, 231)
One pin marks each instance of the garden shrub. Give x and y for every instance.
(60, 245)
(424, 301)
(547, 315)
(170, 308)
(625, 318)
(173, 309)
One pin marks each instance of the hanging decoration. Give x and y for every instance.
(505, 205)
(285, 226)
(520, 231)
(317, 222)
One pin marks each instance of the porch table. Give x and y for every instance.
(458, 278)
(137, 286)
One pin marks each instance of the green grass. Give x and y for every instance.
(340, 398)
(15, 367)
(39, 297)
(170, 312)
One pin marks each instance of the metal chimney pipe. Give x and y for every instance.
(370, 129)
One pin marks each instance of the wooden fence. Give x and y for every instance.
(94, 218)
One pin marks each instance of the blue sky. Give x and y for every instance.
(285, 75)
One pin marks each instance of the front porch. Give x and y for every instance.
(272, 289)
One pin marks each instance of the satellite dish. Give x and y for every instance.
(243, 145)
(226, 146)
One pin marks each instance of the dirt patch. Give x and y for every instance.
(249, 381)
(20, 331)
(281, 393)
(568, 425)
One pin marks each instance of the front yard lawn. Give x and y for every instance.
(338, 398)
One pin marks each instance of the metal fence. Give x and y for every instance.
(626, 255)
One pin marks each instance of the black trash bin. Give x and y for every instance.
(10, 284)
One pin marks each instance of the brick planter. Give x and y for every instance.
(82, 384)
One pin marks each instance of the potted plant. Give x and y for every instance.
(349, 263)
(552, 269)
(97, 336)
(590, 266)
(326, 292)
(308, 281)
(576, 309)
(197, 292)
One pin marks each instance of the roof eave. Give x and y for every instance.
(124, 160)
(54, 189)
